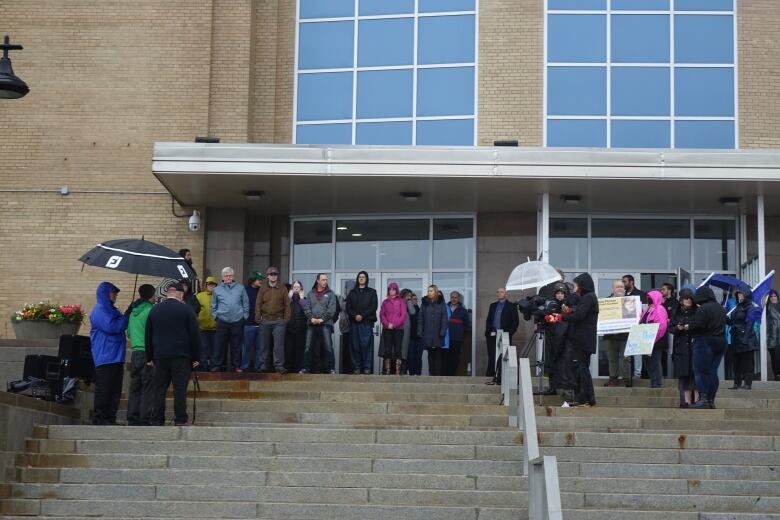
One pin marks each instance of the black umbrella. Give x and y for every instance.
(131, 255)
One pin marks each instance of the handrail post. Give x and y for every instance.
(512, 387)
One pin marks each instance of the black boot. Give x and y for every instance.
(702, 403)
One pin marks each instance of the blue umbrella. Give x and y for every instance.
(724, 282)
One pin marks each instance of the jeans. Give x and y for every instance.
(638, 365)
(208, 350)
(654, 367)
(273, 360)
(707, 355)
(325, 333)
(140, 395)
(361, 338)
(108, 390)
(250, 352)
(581, 370)
(229, 338)
(166, 371)
(414, 356)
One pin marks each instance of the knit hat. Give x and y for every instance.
(211, 279)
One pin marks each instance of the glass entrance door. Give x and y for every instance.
(599, 366)
(417, 282)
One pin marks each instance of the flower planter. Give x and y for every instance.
(42, 329)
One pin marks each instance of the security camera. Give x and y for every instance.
(194, 222)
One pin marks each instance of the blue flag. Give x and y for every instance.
(760, 294)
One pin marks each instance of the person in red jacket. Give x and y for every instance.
(392, 315)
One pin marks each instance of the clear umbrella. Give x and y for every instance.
(532, 275)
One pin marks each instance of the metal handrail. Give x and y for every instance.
(544, 494)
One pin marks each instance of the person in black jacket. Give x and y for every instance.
(682, 351)
(743, 340)
(432, 326)
(172, 349)
(709, 344)
(362, 303)
(295, 344)
(581, 338)
(501, 315)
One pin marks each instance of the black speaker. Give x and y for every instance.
(42, 367)
(76, 355)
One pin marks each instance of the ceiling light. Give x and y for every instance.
(357, 234)
(410, 196)
(342, 228)
(254, 195)
(729, 201)
(571, 199)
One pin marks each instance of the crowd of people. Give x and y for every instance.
(263, 326)
(699, 329)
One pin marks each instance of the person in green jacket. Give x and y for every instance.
(141, 394)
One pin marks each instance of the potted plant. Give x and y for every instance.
(46, 320)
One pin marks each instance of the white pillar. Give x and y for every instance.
(545, 228)
(761, 239)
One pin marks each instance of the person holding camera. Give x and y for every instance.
(581, 338)
(555, 341)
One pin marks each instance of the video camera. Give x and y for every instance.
(537, 307)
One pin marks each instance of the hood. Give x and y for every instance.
(656, 298)
(585, 283)
(103, 293)
(368, 280)
(704, 294)
(685, 292)
(392, 285)
(560, 286)
(748, 294)
(139, 306)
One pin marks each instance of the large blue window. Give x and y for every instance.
(640, 73)
(361, 64)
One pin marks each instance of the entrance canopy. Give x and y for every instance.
(313, 180)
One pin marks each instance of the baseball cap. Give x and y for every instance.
(272, 270)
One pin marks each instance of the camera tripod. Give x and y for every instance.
(538, 335)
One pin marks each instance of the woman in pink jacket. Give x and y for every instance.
(392, 315)
(656, 313)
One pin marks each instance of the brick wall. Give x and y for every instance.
(511, 55)
(759, 75)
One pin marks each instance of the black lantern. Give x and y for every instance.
(11, 86)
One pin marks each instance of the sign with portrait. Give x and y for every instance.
(618, 314)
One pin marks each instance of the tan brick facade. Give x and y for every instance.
(758, 41)
(111, 78)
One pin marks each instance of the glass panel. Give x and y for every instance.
(445, 91)
(704, 134)
(324, 134)
(325, 45)
(436, 6)
(640, 5)
(640, 91)
(588, 133)
(395, 132)
(446, 132)
(641, 134)
(569, 243)
(453, 243)
(704, 5)
(640, 38)
(704, 92)
(577, 4)
(703, 39)
(580, 38)
(577, 91)
(376, 7)
(386, 42)
(384, 93)
(307, 280)
(445, 39)
(313, 246)
(327, 8)
(715, 245)
(382, 244)
(640, 244)
(461, 282)
(324, 96)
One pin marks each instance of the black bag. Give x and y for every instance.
(76, 355)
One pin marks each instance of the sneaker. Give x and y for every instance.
(356, 372)
(303, 371)
(367, 371)
(238, 371)
(331, 371)
(282, 371)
